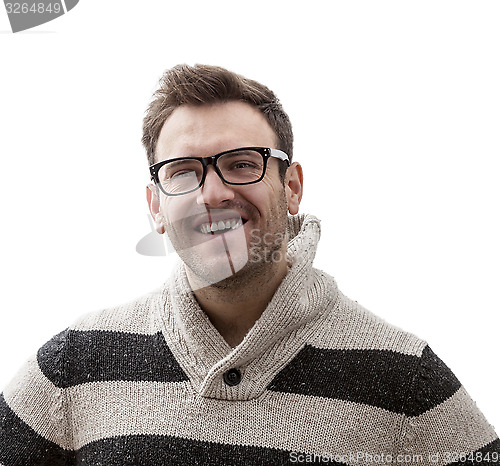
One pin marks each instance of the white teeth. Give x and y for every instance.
(220, 225)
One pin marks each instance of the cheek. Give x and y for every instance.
(275, 190)
(273, 183)
(175, 209)
(266, 196)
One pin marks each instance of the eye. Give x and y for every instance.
(181, 173)
(243, 165)
(180, 169)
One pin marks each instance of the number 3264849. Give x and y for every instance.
(37, 8)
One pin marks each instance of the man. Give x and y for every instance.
(247, 355)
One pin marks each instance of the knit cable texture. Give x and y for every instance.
(318, 379)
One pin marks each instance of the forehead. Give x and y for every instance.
(208, 129)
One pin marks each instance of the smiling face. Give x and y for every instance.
(225, 234)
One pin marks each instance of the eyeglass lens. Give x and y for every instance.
(180, 176)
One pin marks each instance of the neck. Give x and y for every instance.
(233, 308)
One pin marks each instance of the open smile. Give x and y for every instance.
(222, 226)
(218, 221)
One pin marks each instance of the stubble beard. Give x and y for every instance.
(263, 258)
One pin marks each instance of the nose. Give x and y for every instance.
(214, 191)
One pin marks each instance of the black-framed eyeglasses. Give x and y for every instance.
(245, 165)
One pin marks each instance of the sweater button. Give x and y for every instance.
(232, 377)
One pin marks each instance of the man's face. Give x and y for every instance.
(256, 214)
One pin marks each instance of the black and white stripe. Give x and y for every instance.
(117, 417)
(96, 355)
(380, 378)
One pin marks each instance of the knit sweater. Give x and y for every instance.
(318, 378)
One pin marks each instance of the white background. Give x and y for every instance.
(396, 113)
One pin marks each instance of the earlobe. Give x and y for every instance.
(159, 223)
(154, 208)
(294, 187)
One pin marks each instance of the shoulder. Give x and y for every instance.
(347, 325)
(118, 343)
(136, 316)
(357, 356)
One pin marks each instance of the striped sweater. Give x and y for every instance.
(317, 379)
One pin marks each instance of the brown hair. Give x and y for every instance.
(204, 84)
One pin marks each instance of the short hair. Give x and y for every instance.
(206, 85)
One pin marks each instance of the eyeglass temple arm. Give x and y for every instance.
(279, 154)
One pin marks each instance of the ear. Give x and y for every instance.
(154, 207)
(294, 187)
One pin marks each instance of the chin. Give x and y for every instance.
(215, 269)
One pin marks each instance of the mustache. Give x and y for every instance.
(239, 208)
